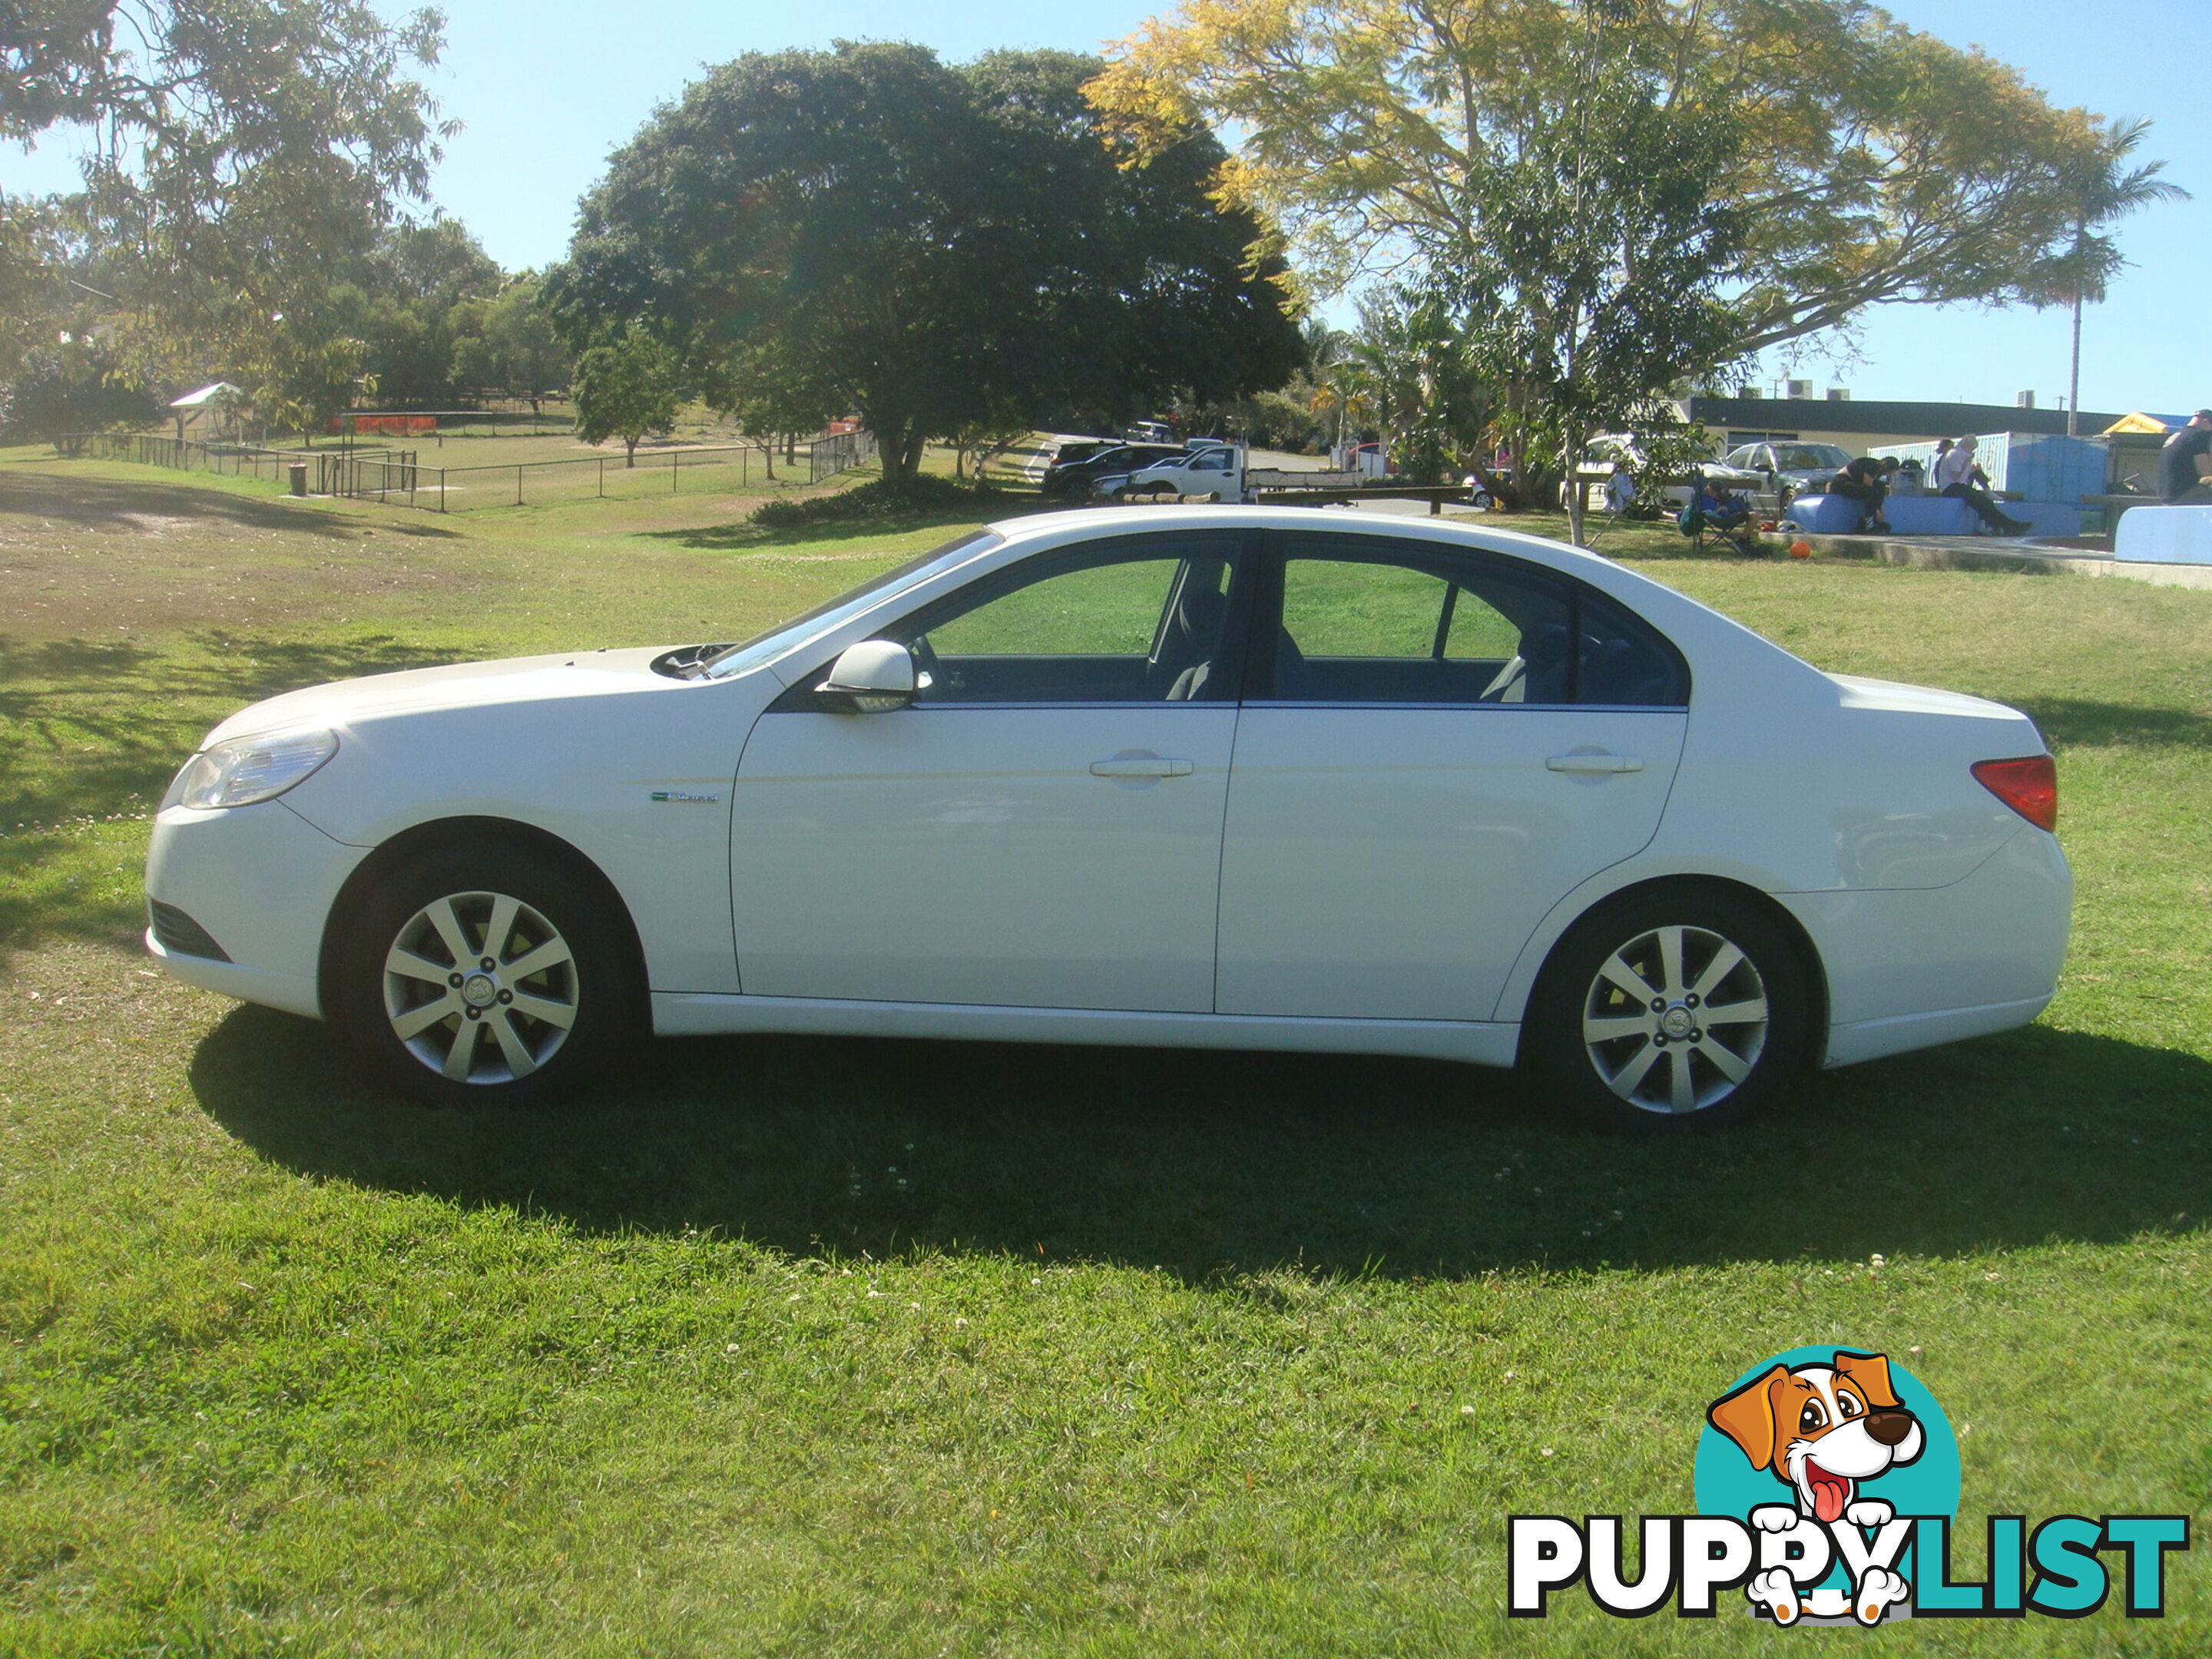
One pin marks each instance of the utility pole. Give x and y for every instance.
(2073, 380)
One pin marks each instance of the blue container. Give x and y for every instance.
(2048, 468)
(2041, 468)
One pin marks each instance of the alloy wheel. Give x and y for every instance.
(480, 987)
(1674, 1019)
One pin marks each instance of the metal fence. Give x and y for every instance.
(522, 484)
(838, 452)
(508, 417)
(330, 471)
(400, 475)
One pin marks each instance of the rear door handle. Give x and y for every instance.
(1589, 763)
(1140, 765)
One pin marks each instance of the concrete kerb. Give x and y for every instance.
(2003, 553)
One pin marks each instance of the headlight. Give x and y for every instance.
(249, 769)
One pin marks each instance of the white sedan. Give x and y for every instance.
(1243, 777)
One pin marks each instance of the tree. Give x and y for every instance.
(413, 288)
(1139, 289)
(868, 230)
(625, 389)
(1407, 373)
(67, 385)
(246, 150)
(2106, 191)
(1592, 288)
(1873, 163)
(508, 344)
(303, 370)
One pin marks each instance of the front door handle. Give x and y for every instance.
(1140, 765)
(1594, 764)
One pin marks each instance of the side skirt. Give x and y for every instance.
(683, 1013)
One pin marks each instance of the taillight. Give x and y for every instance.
(2029, 786)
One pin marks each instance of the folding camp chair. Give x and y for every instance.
(1695, 523)
(1619, 496)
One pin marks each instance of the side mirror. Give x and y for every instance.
(874, 678)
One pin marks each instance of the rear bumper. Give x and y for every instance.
(260, 880)
(1910, 968)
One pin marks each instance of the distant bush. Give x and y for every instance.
(926, 493)
(65, 389)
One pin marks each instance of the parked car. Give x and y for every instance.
(1214, 473)
(1066, 450)
(1228, 777)
(1072, 479)
(1624, 452)
(1148, 432)
(1783, 469)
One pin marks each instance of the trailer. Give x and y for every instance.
(1218, 472)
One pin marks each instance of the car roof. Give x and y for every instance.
(1052, 528)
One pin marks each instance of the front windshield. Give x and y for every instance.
(790, 636)
(1807, 458)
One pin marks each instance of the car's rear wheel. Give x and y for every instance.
(474, 976)
(1671, 1011)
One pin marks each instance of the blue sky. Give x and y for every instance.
(546, 87)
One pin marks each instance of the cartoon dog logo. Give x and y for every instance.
(1823, 1431)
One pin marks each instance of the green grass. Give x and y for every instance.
(802, 1347)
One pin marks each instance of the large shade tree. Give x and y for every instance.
(237, 154)
(869, 230)
(1873, 163)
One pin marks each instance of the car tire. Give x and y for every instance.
(1618, 1030)
(487, 975)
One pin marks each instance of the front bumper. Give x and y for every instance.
(261, 881)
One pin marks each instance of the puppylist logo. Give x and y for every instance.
(1828, 1482)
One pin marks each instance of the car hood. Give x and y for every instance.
(514, 679)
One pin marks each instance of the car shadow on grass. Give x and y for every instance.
(1212, 1165)
(2077, 722)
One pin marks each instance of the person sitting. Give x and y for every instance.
(2184, 466)
(1712, 508)
(1908, 478)
(1955, 476)
(1865, 481)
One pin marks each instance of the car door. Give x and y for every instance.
(1212, 472)
(1435, 746)
(1041, 828)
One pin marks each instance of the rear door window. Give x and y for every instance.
(1362, 621)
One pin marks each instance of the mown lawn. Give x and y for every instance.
(800, 1347)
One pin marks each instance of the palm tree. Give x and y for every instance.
(2105, 193)
(1326, 352)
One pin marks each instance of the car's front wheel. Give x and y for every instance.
(1670, 1011)
(472, 976)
